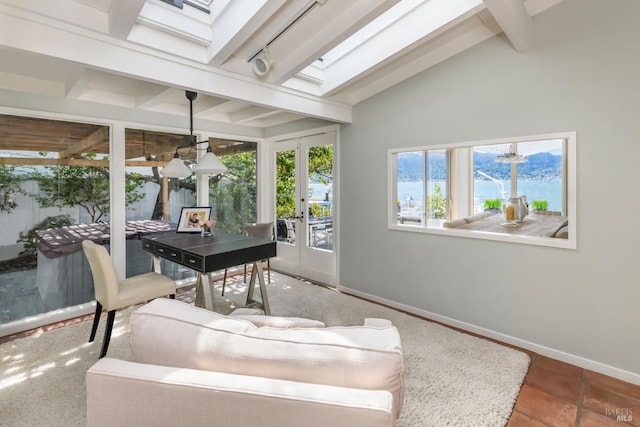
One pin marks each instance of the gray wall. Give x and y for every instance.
(583, 75)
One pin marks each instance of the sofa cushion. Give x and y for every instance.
(279, 322)
(171, 333)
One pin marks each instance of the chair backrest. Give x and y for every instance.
(262, 230)
(105, 280)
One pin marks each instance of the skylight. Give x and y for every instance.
(407, 23)
(202, 5)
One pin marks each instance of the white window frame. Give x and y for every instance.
(461, 190)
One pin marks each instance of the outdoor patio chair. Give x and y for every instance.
(112, 294)
(261, 230)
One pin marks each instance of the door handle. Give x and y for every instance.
(300, 217)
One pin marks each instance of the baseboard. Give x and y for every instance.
(572, 359)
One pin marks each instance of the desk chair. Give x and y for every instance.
(113, 294)
(261, 230)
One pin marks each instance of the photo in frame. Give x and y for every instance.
(190, 218)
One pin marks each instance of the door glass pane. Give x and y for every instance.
(286, 196)
(320, 197)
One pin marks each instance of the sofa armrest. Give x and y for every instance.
(122, 393)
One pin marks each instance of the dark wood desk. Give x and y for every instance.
(208, 254)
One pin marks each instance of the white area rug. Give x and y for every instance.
(451, 378)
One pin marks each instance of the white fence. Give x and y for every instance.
(28, 212)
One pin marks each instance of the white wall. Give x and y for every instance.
(583, 75)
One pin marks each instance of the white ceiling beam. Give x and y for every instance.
(513, 18)
(252, 113)
(214, 105)
(127, 59)
(69, 11)
(153, 100)
(78, 87)
(235, 24)
(22, 83)
(123, 15)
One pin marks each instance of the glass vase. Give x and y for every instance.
(206, 233)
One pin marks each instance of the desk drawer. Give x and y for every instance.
(193, 261)
(168, 252)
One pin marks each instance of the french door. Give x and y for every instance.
(304, 204)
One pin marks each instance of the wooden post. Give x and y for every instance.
(165, 199)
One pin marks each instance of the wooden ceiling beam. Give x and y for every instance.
(27, 161)
(86, 144)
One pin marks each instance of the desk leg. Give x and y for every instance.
(203, 291)
(257, 271)
(155, 264)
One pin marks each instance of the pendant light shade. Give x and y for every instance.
(209, 164)
(175, 168)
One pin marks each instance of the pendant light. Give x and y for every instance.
(175, 168)
(511, 157)
(209, 164)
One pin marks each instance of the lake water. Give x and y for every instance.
(551, 190)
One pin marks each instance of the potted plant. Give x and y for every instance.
(539, 205)
(493, 205)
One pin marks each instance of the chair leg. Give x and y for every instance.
(268, 271)
(245, 273)
(96, 320)
(107, 333)
(224, 281)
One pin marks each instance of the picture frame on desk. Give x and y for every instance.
(190, 218)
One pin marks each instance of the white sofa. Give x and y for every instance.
(194, 367)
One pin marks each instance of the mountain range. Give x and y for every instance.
(541, 166)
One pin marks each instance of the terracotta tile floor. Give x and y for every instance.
(556, 394)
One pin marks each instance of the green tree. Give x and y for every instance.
(234, 197)
(436, 204)
(84, 186)
(285, 184)
(9, 188)
(28, 239)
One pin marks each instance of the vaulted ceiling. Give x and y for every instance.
(325, 56)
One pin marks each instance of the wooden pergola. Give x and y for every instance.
(70, 140)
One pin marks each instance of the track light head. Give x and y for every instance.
(262, 63)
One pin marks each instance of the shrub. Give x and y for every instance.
(28, 239)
